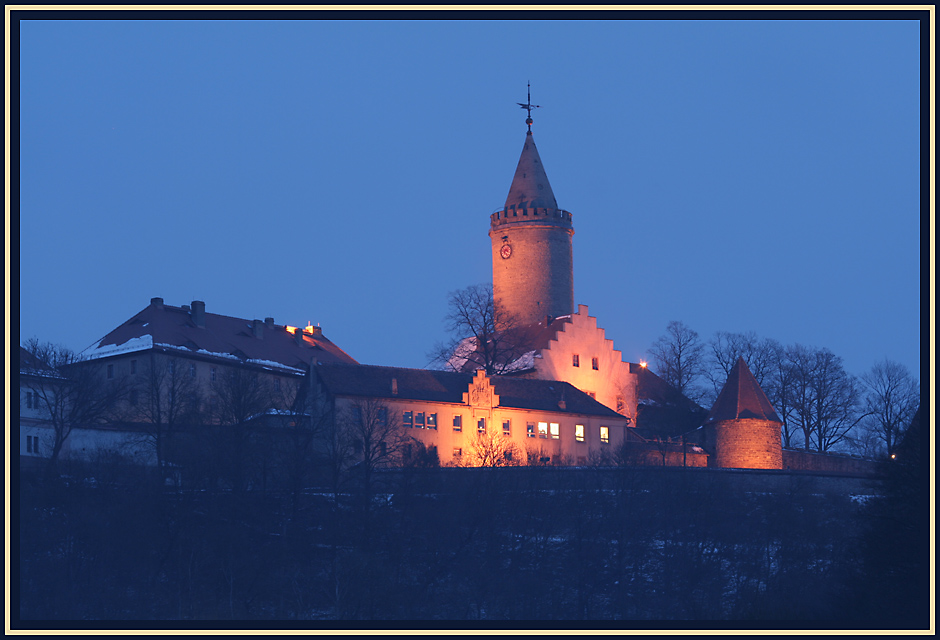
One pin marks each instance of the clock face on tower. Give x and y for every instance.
(505, 251)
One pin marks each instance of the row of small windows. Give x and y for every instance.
(576, 362)
(552, 430)
(420, 420)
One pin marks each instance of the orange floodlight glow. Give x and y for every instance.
(643, 363)
(291, 330)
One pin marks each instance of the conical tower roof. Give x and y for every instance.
(742, 397)
(530, 188)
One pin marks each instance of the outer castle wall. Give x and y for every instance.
(798, 460)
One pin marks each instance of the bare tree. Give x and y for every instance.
(375, 435)
(244, 399)
(825, 398)
(679, 358)
(891, 400)
(483, 334)
(762, 356)
(72, 391)
(165, 398)
(488, 449)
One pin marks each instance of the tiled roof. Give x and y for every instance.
(742, 397)
(446, 386)
(167, 327)
(530, 188)
(31, 364)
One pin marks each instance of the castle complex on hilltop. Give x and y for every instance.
(569, 399)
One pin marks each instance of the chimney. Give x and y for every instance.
(394, 386)
(269, 323)
(257, 328)
(299, 337)
(157, 302)
(199, 313)
(185, 308)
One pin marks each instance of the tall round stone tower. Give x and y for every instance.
(531, 237)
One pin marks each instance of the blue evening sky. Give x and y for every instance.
(735, 175)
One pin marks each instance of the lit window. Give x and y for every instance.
(543, 429)
(407, 419)
(481, 425)
(212, 374)
(110, 371)
(277, 384)
(605, 435)
(506, 427)
(553, 429)
(594, 363)
(579, 432)
(419, 420)
(192, 370)
(133, 366)
(530, 429)
(458, 423)
(458, 452)
(575, 360)
(432, 421)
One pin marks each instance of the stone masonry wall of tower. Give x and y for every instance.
(533, 271)
(536, 279)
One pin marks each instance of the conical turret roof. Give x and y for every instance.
(742, 397)
(530, 188)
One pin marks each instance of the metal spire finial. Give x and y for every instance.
(528, 106)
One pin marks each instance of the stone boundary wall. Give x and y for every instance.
(456, 479)
(797, 460)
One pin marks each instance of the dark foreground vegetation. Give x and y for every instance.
(525, 545)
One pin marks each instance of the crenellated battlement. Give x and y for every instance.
(511, 215)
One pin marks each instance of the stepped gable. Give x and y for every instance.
(530, 188)
(530, 338)
(446, 386)
(742, 397)
(193, 331)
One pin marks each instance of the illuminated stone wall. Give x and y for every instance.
(747, 444)
(566, 449)
(611, 383)
(537, 278)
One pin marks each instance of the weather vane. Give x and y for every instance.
(528, 106)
